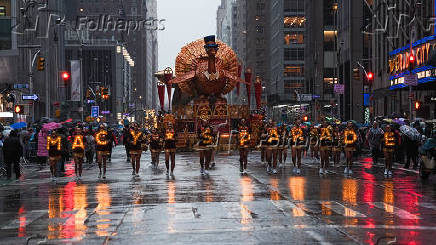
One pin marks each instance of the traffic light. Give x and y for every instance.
(65, 76)
(104, 93)
(305, 118)
(418, 105)
(411, 62)
(41, 64)
(370, 76)
(19, 109)
(356, 74)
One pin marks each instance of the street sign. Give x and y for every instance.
(95, 111)
(411, 79)
(105, 112)
(21, 86)
(33, 97)
(91, 101)
(304, 97)
(339, 88)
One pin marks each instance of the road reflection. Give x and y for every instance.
(349, 196)
(171, 209)
(104, 202)
(274, 191)
(297, 187)
(247, 189)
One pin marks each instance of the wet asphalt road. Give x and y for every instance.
(224, 208)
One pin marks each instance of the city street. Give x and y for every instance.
(223, 208)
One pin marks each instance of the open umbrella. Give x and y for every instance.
(19, 125)
(51, 126)
(410, 132)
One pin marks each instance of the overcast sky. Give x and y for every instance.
(186, 21)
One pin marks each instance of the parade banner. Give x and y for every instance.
(248, 87)
(258, 92)
(161, 93)
(75, 80)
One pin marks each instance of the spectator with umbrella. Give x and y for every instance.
(373, 137)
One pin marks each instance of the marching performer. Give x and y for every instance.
(338, 140)
(298, 143)
(350, 140)
(282, 149)
(78, 149)
(54, 148)
(170, 148)
(389, 143)
(271, 149)
(136, 139)
(206, 144)
(325, 142)
(155, 147)
(263, 143)
(244, 144)
(103, 145)
(313, 142)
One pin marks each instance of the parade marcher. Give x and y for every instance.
(113, 142)
(78, 149)
(12, 151)
(410, 146)
(89, 147)
(337, 144)
(297, 144)
(170, 148)
(135, 141)
(350, 140)
(263, 144)
(42, 151)
(126, 133)
(244, 139)
(271, 149)
(54, 148)
(389, 143)
(282, 149)
(103, 145)
(155, 147)
(313, 142)
(374, 137)
(325, 143)
(206, 143)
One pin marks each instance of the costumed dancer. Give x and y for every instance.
(244, 144)
(313, 142)
(78, 149)
(282, 149)
(103, 146)
(170, 148)
(389, 143)
(325, 141)
(135, 140)
(337, 144)
(298, 143)
(350, 140)
(155, 147)
(271, 149)
(54, 148)
(205, 144)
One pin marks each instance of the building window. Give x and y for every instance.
(259, 29)
(2, 11)
(330, 8)
(294, 71)
(329, 40)
(294, 21)
(294, 38)
(293, 5)
(290, 85)
(260, 41)
(329, 83)
(294, 53)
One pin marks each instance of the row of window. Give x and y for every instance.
(293, 38)
(293, 5)
(294, 21)
(294, 53)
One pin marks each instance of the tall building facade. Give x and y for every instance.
(392, 48)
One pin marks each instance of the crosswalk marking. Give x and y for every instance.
(284, 205)
(341, 209)
(30, 217)
(427, 205)
(403, 214)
